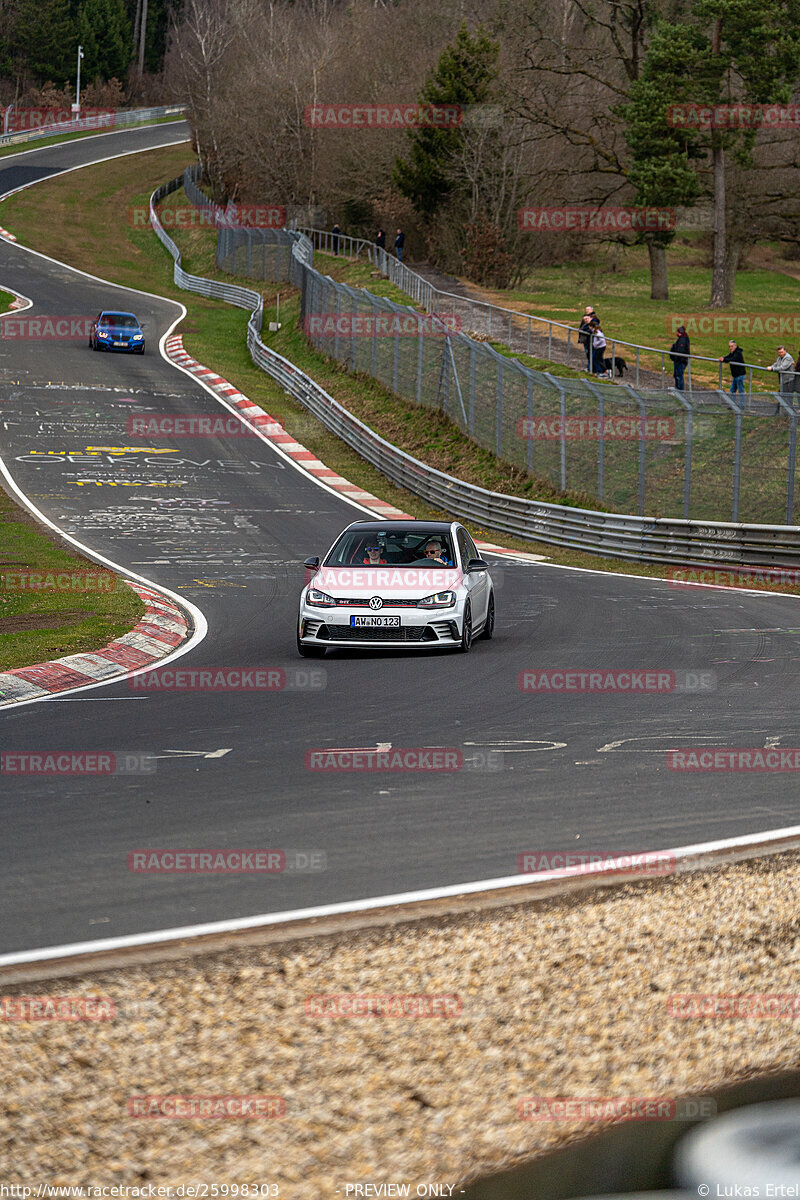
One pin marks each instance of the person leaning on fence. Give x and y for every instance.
(784, 364)
(585, 333)
(399, 242)
(738, 370)
(335, 238)
(679, 353)
(598, 350)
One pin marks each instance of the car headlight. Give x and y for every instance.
(100, 333)
(438, 600)
(319, 599)
(137, 337)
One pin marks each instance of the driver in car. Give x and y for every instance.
(433, 550)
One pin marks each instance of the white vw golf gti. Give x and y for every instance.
(396, 584)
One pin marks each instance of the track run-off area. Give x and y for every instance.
(224, 523)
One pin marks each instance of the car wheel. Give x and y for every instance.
(488, 629)
(466, 631)
(309, 651)
(94, 345)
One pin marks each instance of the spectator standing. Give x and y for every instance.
(738, 371)
(380, 240)
(335, 238)
(784, 363)
(585, 333)
(399, 242)
(598, 349)
(679, 353)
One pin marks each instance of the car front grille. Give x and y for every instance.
(369, 633)
(363, 602)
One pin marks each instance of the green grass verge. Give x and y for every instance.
(45, 623)
(55, 218)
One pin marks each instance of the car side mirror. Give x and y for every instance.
(476, 564)
(311, 563)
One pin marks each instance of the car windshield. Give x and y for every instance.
(119, 320)
(418, 547)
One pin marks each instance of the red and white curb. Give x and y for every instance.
(162, 628)
(274, 432)
(6, 236)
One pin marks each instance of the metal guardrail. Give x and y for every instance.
(133, 116)
(502, 323)
(659, 540)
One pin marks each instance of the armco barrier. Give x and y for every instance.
(660, 539)
(132, 116)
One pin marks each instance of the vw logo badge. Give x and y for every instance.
(376, 602)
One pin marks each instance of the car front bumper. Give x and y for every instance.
(423, 628)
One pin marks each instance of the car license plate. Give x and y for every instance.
(380, 622)
(120, 343)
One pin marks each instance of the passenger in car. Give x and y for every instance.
(373, 557)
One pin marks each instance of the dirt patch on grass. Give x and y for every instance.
(34, 620)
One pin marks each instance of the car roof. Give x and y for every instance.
(402, 526)
(115, 312)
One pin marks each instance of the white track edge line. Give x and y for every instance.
(372, 903)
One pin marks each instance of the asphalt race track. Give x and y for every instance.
(226, 522)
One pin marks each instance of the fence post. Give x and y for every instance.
(336, 334)
(420, 347)
(353, 343)
(737, 454)
(688, 438)
(499, 406)
(792, 457)
(562, 396)
(472, 389)
(375, 310)
(396, 364)
(569, 344)
(530, 426)
(528, 348)
(249, 251)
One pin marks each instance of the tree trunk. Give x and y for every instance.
(719, 286)
(733, 251)
(659, 284)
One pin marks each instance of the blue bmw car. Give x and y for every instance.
(116, 331)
